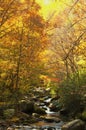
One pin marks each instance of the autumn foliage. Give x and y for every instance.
(31, 47)
(22, 40)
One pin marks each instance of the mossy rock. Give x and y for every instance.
(39, 110)
(27, 107)
(8, 113)
(83, 116)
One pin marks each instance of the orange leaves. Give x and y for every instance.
(6, 65)
(49, 79)
(22, 40)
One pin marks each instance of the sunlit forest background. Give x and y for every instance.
(43, 46)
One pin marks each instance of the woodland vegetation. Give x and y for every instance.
(35, 52)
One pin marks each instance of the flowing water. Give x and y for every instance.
(49, 126)
(40, 125)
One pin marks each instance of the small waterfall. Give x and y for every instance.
(48, 110)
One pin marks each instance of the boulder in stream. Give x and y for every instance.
(74, 125)
(39, 110)
(64, 111)
(31, 107)
(52, 119)
(27, 107)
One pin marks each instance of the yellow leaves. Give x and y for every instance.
(3, 75)
(49, 6)
(6, 65)
(81, 49)
(14, 43)
(22, 1)
(3, 64)
(1, 9)
(83, 45)
(19, 22)
(11, 66)
(23, 41)
(81, 62)
(8, 82)
(44, 55)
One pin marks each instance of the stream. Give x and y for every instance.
(51, 121)
(40, 125)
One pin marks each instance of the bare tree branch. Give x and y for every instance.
(76, 43)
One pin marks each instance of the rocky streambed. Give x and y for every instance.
(49, 121)
(39, 112)
(37, 121)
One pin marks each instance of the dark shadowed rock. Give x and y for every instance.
(27, 107)
(55, 105)
(48, 128)
(39, 110)
(31, 107)
(64, 111)
(74, 125)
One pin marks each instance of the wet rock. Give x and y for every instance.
(27, 107)
(35, 99)
(35, 115)
(74, 125)
(39, 110)
(47, 100)
(48, 128)
(51, 128)
(64, 111)
(55, 106)
(52, 107)
(10, 128)
(19, 128)
(42, 104)
(44, 107)
(3, 125)
(55, 98)
(52, 119)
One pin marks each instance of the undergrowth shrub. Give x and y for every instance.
(72, 91)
